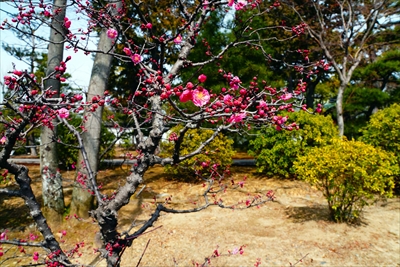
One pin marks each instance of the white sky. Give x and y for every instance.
(80, 66)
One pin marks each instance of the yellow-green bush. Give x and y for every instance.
(383, 130)
(219, 151)
(275, 151)
(351, 174)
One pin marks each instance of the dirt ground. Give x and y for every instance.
(278, 233)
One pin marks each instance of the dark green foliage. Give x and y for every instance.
(275, 151)
(67, 154)
(375, 84)
(67, 148)
(359, 103)
(351, 174)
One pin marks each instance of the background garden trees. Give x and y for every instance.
(31, 53)
(344, 31)
(161, 100)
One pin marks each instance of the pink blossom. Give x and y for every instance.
(231, 2)
(63, 113)
(32, 236)
(186, 95)
(286, 96)
(21, 108)
(178, 39)
(202, 78)
(127, 51)
(3, 235)
(234, 84)
(189, 85)
(237, 117)
(227, 99)
(149, 26)
(18, 73)
(35, 256)
(136, 58)
(3, 141)
(240, 4)
(112, 33)
(263, 104)
(235, 251)
(319, 108)
(67, 23)
(205, 5)
(200, 97)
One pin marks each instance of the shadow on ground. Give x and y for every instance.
(11, 210)
(309, 213)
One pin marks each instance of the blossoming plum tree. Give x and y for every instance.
(154, 107)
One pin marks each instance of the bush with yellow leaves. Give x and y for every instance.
(383, 131)
(351, 175)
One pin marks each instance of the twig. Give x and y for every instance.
(299, 260)
(137, 265)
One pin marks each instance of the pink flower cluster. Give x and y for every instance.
(239, 5)
(112, 33)
(178, 39)
(35, 256)
(136, 58)
(235, 118)
(147, 26)
(63, 113)
(199, 96)
(67, 23)
(3, 140)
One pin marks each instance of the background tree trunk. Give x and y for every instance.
(339, 109)
(82, 200)
(52, 190)
(30, 141)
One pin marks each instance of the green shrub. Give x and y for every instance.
(219, 151)
(351, 174)
(383, 130)
(275, 151)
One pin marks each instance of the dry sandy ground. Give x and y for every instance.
(278, 233)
